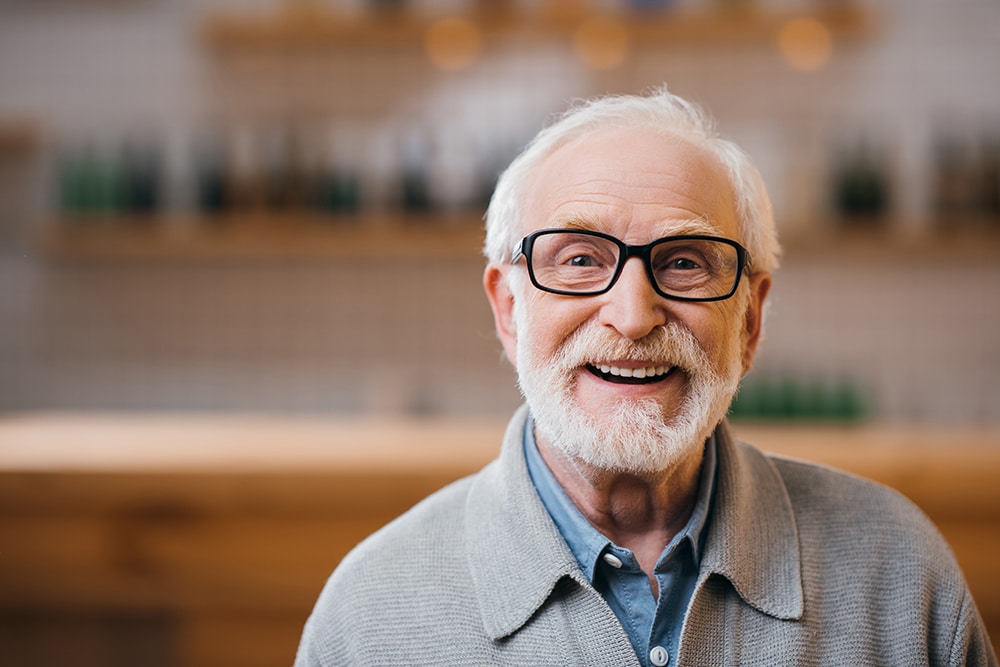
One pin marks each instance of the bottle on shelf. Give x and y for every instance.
(861, 193)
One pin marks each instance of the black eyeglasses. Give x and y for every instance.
(689, 267)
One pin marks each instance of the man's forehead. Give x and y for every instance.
(601, 180)
(611, 153)
(630, 140)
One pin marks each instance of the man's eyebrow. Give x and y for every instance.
(583, 221)
(690, 226)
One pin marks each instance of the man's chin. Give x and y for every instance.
(631, 438)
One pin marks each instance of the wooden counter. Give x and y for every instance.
(204, 540)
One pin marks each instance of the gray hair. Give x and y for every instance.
(660, 111)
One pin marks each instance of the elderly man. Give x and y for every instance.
(630, 255)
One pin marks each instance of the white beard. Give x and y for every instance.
(634, 436)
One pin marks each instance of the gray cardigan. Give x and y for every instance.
(802, 566)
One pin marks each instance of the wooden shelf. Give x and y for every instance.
(977, 240)
(18, 135)
(722, 24)
(317, 26)
(300, 236)
(271, 237)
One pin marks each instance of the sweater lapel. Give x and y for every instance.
(752, 537)
(515, 551)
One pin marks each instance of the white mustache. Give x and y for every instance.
(668, 345)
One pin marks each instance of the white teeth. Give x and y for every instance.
(649, 371)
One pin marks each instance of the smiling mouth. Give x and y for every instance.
(619, 375)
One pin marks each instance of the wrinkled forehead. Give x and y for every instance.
(635, 177)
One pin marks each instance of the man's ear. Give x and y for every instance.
(753, 323)
(502, 303)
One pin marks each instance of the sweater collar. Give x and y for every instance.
(516, 554)
(752, 537)
(518, 557)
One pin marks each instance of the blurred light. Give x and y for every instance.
(806, 44)
(453, 43)
(601, 43)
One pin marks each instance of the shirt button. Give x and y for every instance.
(659, 656)
(612, 560)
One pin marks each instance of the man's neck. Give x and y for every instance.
(641, 512)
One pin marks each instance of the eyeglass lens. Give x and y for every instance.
(582, 263)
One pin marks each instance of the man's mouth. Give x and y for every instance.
(621, 375)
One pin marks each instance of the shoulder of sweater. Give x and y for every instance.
(396, 578)
(828, 500)
(431, 529)
(812, 484)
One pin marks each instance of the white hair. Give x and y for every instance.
(660, 111)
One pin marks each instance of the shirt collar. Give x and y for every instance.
(585, 541)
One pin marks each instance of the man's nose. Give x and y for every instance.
(633, 307)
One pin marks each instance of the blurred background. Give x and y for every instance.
(221, 208)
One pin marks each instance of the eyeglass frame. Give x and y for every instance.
(626, 251)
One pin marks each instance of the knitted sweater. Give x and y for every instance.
(802, 565)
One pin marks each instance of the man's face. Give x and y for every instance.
(572, 352)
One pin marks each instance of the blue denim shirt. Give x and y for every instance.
(653, 626)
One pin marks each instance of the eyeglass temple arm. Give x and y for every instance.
(517, 252)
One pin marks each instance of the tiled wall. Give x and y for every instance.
(917, 336)
(916, 333)
(331, 336)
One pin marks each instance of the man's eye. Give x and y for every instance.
(683, 264)
(582, 261)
